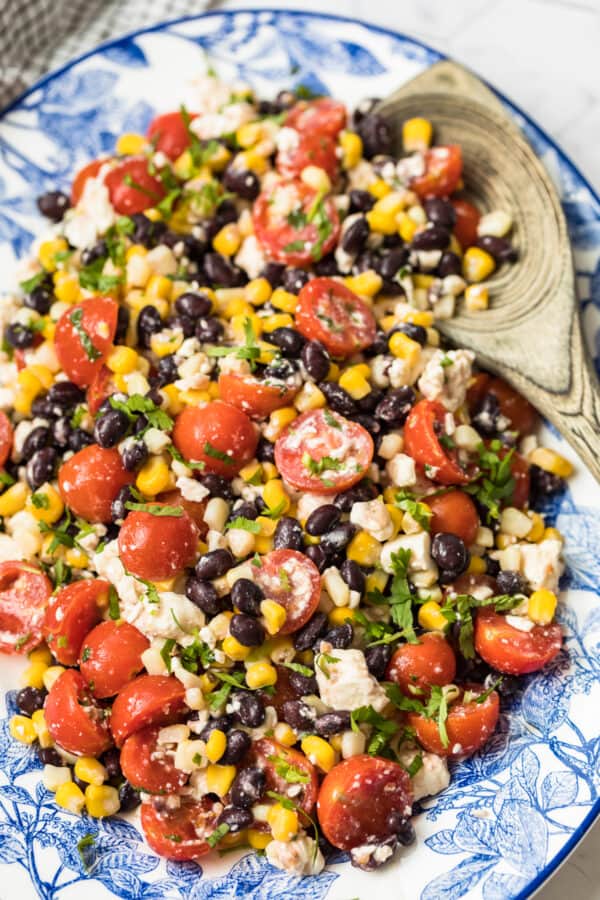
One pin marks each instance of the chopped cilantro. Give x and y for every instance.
(459, 608)
(175, 838)
(243, 523)
(220, 831)
(420, 512)
(40, 500)
(383, 729)
(331, 419)
(400, 599)
(290, 773)
(132, 183)
(180, 458)
(322, 660)
(445, 362)
(76, 319)
(86, 850)
(137, 404)
(495, 481)
(114, 610)
(20, 642)
(275, 511)
(210, 450)
(300, 669)
(86, 653)
(6, 479)
(294, 247)
(166, 652)
(318, 466)
(31, 283)
(155, 509)
(92, 279)
(249, 351)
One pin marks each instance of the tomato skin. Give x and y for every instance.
(264, 748)
(289, 452)
(194, 508)
(252, 395)
(24, 595)
(110, 657)
(168, 134)
(71, 615)
(99, 321)
(157, 547)
(520, 472)
(126, 199)
(322, 300)
(298, 605)
(6, 438)
(147, 700)
(431, 661)
(70, 723)
(467, 220)
(146, 770)
(321, 116)
(422, 443)
(184, 823)
(522, 415)
(454, 512)
(89, 171)
(469, 726)
(225, 428)
(100, 389)
(443, 170)
(90, 480)
(356, 798)
(512, 651)
(312, 149)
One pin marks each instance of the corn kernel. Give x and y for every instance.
(553, 534)
(207, 683)
(263, 544)
(278, 420)
(33, 676)
(277, 320)
(352, 149)
(285, 735)
(253, 161)
(269, 468)
(216, 745)
(76, 558)
(274, 615)
(340, 615)
(477, 297)
(233, 649)
(364, 549)
(284, 822)
(101, 800)
(309, 397)
(135, 250)
(44, 737)
(382, 222)
(13, 499)
(403, 347)
(376, 580)
(477, 566)
(417, 317)
(51, 675)
(70, 797)
(41, 655)
(219, 159)
(541, 606)
(258, 291)
(274, 495)
(154, 476)
(416, 134)
(260, 674)
(68, 290)
(90, 770)
(122, 360)
(48, 251)
(249, 134)
(431, 617)
(406, 227)
(536, 534)
(319, 752)
(551, 461)
(316, 178)
(283, 300)
(21, 728)
(159, 287)
(258, 840)
(45, 504)
(130, 144)
(354, 383)
(227, 241)
(219, 778)
(379, 188)
(477, 264)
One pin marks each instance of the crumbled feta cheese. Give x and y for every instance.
(287, 139)
(227, 120)
(401, 470)
(298, 857)
(191, 489)
(433, 776)
(371, 856)
(420, 562)
(447, 383)
(374, 517)
(92, 216)
(345, 681)
(541, 564)
(156, 440)
(361, 176)
(250, 257)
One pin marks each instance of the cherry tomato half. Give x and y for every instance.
(469, 725)
(89, 171)
(111, 657)
(415, 667)
(157, 547)
(330, 312)
(100, 389)
(6, 438)
(219, 435)
(320, 451)
(132, 188)
(180, 833)
(256, 398)
(194, 508)
(519, 468)
(321, 116)
(72, 614)
(24, 595)
(292, 579)
(422, 443)
(510, 650)
(293, 226)
(443, 169)
(467, 220)
(148, 767)
(169, 134)
(74, 720)
(358, 795)
(454, 512)
(311, 149)
(90, 481)
(266, 753)
(84, 336)
(147, 700)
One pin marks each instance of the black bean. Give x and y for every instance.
(353, 575)
(273, 272)
(280, 369)
(247, 596)
(440, 212)
(30, 699)
(492, 566)
(149, 322)
(293, 280)
(306, 636)
(166, 370)
(214, 564)
(48, 756)
(129, 797)
(118, 510)
(111, 428)
(65, 395)
(365, 106)
(235, 818)
(401, 826)
(246, 509)
(220, 723)
(248, 708)
(450, 553)
(375, 134)
(298, 714)
(193, 304)
(99, 250)
(111, 760)
(327, 267)
(369, 423)
(322, 519)
(302, 685)
(78, 439)
(187, 325)
(340, 637)
(204, 595)
(377, 659)
(216, 486)
(485, 419)
(144, 231)
(394, 409)
(209, 330)
(501, 249)
(289, 341)
(19, 336)
(355, 236)
(414, 332)
(238, 744)
(247, 630)
(35, 440)
(432, 238)
(265, 452)
(338, 538)
(317, 555)
(332, 723)
(248, 787)
(338, 399)
(510, 582)
(53, 205)
(359, 493)
(368, 403)
(40, 467)
(449, 264)
(61, 432)
(378, 347)
(390, 263)
(221, 272)
(544, 484)
(316, 360)
(241, 182)
(123, 318)
(288, 534)
(40, 299)
(361, 201)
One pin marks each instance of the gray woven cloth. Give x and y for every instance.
(37, 36)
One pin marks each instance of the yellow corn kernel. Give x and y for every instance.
(340, 615)
(274, 495)
(13, 499)
(431, 617)
(334, 372)
(355, 383)
(263, 544)
(68, 290)
(184, 165)
(130, 144)
(195, 398)
(260, 674)
(406, 227)
(101, 800)
(477, 297)
(239, 324)
(41, 654)
(135, 250)
(477, 566)
(268, 352)
(219, 159)
(70, 797)
(44, 737)
(216, 745)
(252, 473)
(284, 822)
(166, 343)
(21, 728)
(49, 329)
(274, 615)
(553, 534)
(258, 840)
(376, 580)
(285, 735)
(551, 461)
(173, 395)
(258, 291)
(389, 322)
(537, 528)
(76, 558)
(379, 188)
(232, 302)
(207, 683)
(269, 468)
(159, 287)
(153, 477)
(364, 549)
(48, 251)
(90, 770)
(45, 504)
(253, 161)
(382, 222)
(417, 317)
(309, 397)
(541, 606)
(33, 676)
(267, 525)
(277, 320)
(227, 241)
(416, 134)
(319, 752)
(477, 264)
(233, 649)
(316, 178)
(405, 348)
(249, 134)
(352, 149)
(51, 675)
(219, 778)
(505, 540)
(279, 419)
(213, 390)
(420, 280)
(367, 283)
(122, 360)
(283, 300)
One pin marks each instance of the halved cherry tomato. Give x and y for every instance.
(148, 767)
(90, 481)
(322, 452)
(519, 468)
(147, 700)
(24, 595)
(454, 512)
(510, 650)
(467, 220)
(469, 725)
(357, 797)
(194, 508)
(84, 335)
(522, 415)
(169, 134)
(283, 690)
(111, 657)
(157, 547)
(71, 615)
(321, 116)
(74, 720)
(255, 397)
(293, 226)
(89, 171)
(292, 579)
(219, 435)
(6, 438)
(422, 443)
(330, 312)
(443, 169)
(312, 149)
(132, 188)
(100, 389)
(415, 667)
(180, 833)
(266, 753)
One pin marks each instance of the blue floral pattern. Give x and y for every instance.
(509, 815)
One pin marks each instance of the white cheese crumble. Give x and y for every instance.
(447, 383)
(345, 681)
(298, 857)
(92, 216)
(373, 517)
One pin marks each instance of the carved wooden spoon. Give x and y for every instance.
(531, 333)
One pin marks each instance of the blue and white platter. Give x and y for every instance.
(510, 815)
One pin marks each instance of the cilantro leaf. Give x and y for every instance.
(76, 319)
(400, 599)
(220, 831)
(243, 523)
(290, 773)
(156, 509)
(210, 450)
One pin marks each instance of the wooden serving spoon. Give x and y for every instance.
(531, 334)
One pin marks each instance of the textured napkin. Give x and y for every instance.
(37, 36)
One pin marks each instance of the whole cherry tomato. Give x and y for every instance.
(84, 336)
(330, 312)
(6, 438)
(467, 220)
(72, 614)
(157, 547)
(147, 700)
(219, 435)
(132, 188)
(74, 720)
(91, 479)
(469, 724)
(422, 443)
(291, 579)
(147, 767)
(443, 170)
(111, 657)
(24, 595)
(256, 398)
(181, 833)
(169, 134)
(416, 667)
(454, 512)
(512, 651)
